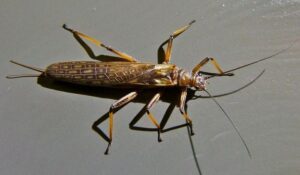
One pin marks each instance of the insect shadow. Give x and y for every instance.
(110, 93)
(171, 97)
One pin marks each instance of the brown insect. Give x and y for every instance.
(130, 73)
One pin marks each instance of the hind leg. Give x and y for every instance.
(98, 43)
(119, 103)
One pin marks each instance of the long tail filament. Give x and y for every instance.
(25, 75)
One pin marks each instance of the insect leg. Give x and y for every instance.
(197, 68)
(170, 41)
(183, 111)
(119, 103)
(123, 55)
(151, 117)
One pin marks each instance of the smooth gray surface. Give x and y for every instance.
(43, 131)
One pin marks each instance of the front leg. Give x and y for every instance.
(182, 102)
(197, 68)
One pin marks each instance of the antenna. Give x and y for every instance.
(254, 62)
(233, 91)
(233, 125)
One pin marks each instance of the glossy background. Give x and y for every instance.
(44, 131)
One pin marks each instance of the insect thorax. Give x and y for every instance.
(184, 78)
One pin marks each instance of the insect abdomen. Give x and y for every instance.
(113, 74)
(71, 71)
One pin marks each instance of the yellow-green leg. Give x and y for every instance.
(182, 109)
(153, 101)
(170, 41)
(197, 68)
(119, 103)
(122, 55)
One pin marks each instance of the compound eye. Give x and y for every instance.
(200, 83)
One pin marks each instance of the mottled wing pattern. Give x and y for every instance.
(112, 73)
(158, 75)
(120, 73)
